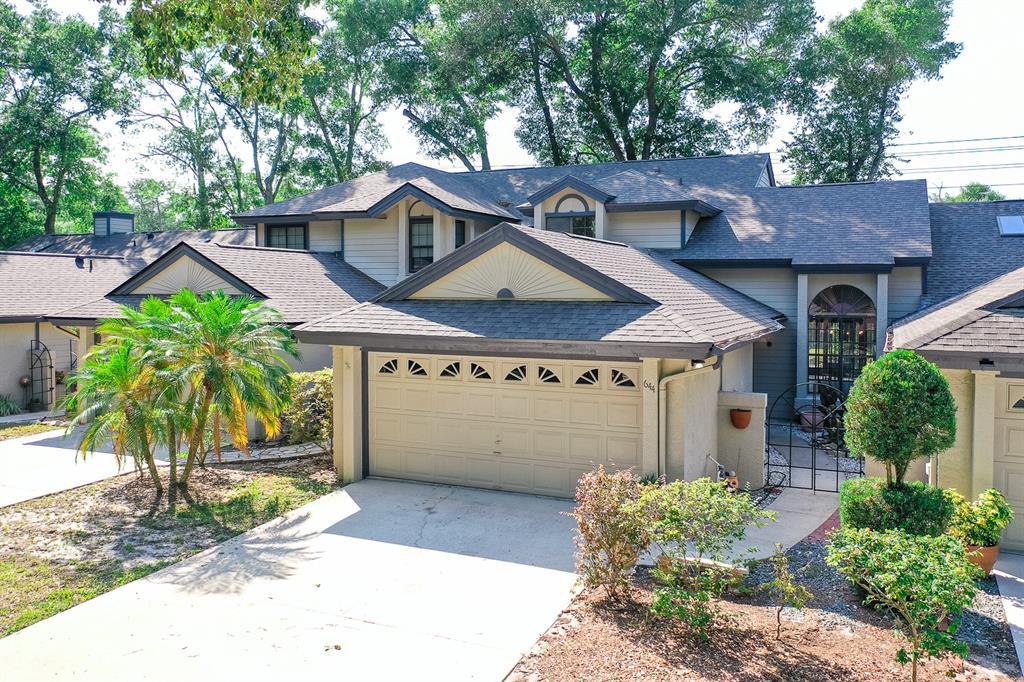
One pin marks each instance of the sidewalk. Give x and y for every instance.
(1009, 575)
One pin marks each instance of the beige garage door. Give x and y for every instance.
(518, 424)
(1009, 454)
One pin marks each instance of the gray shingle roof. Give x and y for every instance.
(301, 285)
(36, 284)
(361, 194)
(967, 249)
(687, 307)
(985, 319)
(871, 223)
(147, 246)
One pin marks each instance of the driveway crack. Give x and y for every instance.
(428, 511)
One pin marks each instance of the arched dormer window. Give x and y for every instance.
(572, 214)
(421, 236)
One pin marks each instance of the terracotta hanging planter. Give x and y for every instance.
(740, 418)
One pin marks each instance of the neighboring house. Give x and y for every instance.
(974, 330)
(511, 329)
(54, 290)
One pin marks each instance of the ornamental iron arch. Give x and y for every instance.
(805, 440)
(841, 336)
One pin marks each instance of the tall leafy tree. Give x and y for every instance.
(621, 80)
(343, 137)
(445, 79)
(189, 130)
(972, 191)
(20, 218)
(266, 44)
(58, 77)
(860, 69)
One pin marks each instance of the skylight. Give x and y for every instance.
(1011, 225)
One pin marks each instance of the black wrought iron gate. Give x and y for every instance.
(805, 440)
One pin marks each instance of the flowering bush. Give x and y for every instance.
(980, 523)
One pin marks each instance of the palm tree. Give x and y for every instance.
(227, 356)
(114, 399)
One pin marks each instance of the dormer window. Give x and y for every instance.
(1011, 225)
(572, 214)
(286, 236)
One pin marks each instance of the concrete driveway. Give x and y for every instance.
(383, 580)
(47, 463)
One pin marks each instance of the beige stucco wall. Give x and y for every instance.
(692, 424)
(738, 369)
(742, 450)
(14, 355)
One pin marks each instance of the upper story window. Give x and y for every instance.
(1011, 225)
(421, 242)
(286, 236)
(460, 233)
(572, 214)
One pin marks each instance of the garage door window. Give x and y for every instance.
(389, 367)
(480, 371)
(516, 375)
(415, 369)
(452, 370)
(623, 379)
(588, 377)
(547, 375)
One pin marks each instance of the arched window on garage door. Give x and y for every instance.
(840, 337)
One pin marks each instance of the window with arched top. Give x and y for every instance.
(421, 236)
(572, 214)
(840, 336)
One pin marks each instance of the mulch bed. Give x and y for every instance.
(833, 638)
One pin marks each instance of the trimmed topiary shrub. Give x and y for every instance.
(900, 409)
(915, 508)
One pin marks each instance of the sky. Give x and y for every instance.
(978, 96)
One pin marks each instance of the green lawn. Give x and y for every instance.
(109, 537)
(8, 431)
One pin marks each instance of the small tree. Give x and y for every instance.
(900, 409)
(784, 589)
(609, 538)
(921, 579)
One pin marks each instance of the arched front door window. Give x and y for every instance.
(840, 337)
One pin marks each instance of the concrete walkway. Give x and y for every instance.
(799, 513)
(47, 463)
(1009, 573)
(383, 580)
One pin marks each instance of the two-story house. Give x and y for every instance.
(511, 329)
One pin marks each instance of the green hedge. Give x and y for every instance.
(916, 508)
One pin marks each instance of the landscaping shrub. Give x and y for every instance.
(309, 417)
(980, 523)
(922, 579)
(610, 536)
(784, 589)
(695, 524)
(899, 410)
(8, 406)
(916, 508)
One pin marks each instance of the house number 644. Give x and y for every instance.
(649, 385)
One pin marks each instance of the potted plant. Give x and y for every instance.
(979, 525)
(740, 417)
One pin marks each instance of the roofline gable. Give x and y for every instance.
(568, 182)
(179, 251)
(408, 189)
(507, 233)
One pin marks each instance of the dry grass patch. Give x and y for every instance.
(63, 549)
(8, 431)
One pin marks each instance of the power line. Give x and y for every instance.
(976, 150)
(969, 139)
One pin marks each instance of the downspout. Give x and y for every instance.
(663, 383)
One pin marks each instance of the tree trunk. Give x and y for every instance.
(216, 434)
(196, 439)
(549, 122)
(202, 199)
(50, 227)
(172, 458)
